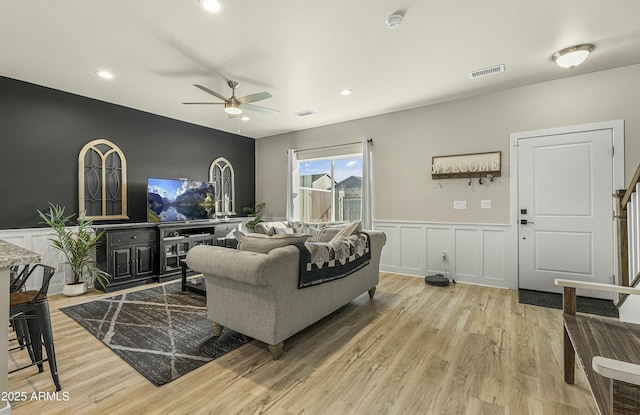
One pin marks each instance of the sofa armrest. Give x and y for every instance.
(378, 241)
(242, 266)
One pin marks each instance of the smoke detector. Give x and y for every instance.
(393, 21)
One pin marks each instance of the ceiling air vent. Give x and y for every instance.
(304, 113)
(486, 71)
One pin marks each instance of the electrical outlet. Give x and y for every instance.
(459, 204)
(444, 256)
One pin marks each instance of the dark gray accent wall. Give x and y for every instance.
(42, 131)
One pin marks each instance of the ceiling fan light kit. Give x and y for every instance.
(572, 56)
(234, 106)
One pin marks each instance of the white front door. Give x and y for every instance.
(565, 205)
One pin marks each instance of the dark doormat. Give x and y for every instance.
(162, 332)
(553, 300)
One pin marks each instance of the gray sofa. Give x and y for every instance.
(257, 294)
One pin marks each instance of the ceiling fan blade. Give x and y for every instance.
(261, 109)
(203, 103)
(254, 97)
(208, 91)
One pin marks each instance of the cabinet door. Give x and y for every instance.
(145, 259)
(121, 263)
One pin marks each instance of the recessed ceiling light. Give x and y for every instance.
(104, 74)
(346, 92)
(212, 6)
(572, 56)
(244, 118)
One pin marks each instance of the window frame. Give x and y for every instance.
(220, 189)
(113, 149)
(332, 160)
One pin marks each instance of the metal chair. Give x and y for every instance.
(18, 277)
(29, 314)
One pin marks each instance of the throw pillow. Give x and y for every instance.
(329, 230)
(315, 233)
(256, 242)
(350, 229)
(283, 231)
(262, 228)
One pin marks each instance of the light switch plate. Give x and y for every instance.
(459, 204)
(485, 204)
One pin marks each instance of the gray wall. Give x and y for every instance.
(405, 141)
(42, 131)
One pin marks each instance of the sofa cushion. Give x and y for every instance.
(256, 242)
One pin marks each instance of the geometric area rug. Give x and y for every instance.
(162, 332)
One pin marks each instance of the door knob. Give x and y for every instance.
(525, 222)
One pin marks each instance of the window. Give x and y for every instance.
(331, 189)
(102, 181)
(221, 173)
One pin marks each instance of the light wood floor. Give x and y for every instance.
(414, 349)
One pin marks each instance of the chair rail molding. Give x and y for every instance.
(476, 253)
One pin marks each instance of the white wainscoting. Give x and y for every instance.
(476, 254)
(37, 240)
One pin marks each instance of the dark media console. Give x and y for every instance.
(140, 253)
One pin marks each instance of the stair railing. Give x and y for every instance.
(628, 215)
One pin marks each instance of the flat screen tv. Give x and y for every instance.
(180, 200)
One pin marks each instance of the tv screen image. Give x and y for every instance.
(180, 200)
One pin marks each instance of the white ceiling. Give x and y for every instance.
(303, 52)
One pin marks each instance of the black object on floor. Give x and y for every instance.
(554, 300)
(437, 280)
(162, 332)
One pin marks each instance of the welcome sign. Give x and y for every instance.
(467, 165)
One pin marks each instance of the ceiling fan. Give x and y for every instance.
(234, 106)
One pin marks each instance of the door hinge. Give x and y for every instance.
(613, 151)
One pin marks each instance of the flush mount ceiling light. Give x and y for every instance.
(346, 92)
(572, 56)
(104, 74)
(212, 6)
(393, 21)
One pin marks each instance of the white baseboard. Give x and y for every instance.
(477, 253)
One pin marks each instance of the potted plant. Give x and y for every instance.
(255, 213)
(77, 246)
